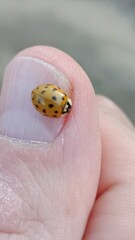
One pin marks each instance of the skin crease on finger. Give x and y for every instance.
(47, 190)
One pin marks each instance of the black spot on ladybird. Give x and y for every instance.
(62, 98)
(54, 89)
(39, 101)
(56, 111)
(50, 105)
(44, 111)
(54, 98)
(43, 92)
(37, 106)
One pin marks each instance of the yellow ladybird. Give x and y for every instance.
(50, 100)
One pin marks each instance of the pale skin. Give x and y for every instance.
(79, 189)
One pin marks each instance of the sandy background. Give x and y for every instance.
(100, 35)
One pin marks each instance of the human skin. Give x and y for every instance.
(81, 184)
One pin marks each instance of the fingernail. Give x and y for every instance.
(18, 118)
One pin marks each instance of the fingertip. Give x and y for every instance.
(76, 146)
(81, 126)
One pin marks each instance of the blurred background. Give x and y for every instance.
(99, 34)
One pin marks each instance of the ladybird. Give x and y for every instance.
(51, 100)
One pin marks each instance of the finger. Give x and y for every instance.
(114, 211)
(62, 156)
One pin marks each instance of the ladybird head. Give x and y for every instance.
(67, 107)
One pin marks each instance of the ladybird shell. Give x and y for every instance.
(49, 100)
